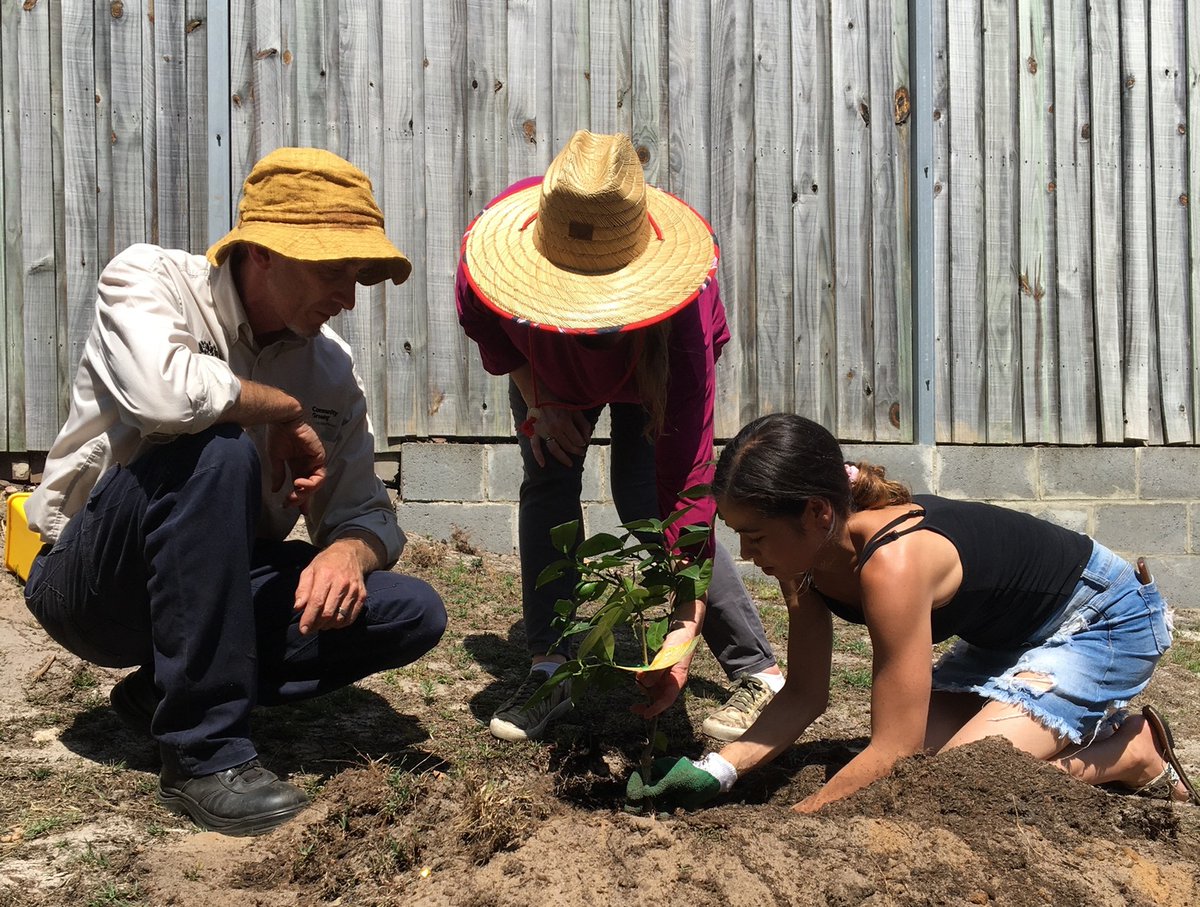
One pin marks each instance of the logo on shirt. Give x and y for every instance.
(208, 348)
(319, 415)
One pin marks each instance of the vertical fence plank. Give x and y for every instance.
(195, 50)
(445, 166)
(967, 252)
(1135, 152)
(529, 117)
(1038, 359)
(852, 221)
(731, 211)
(572, 95)
(944, 402)
(128, 145)
(11, 69)
(105, 229)
(611, 66)
(171, 96)
(79, 170)
(1073, 225)
(650, 88)
(243, 125)
(773, 143)
(487, 173)
(404, 209)
(812, 222)
(1107, 243)
(359, 50)
(1001, 297)
(688, 42)
(1168, 116)
(40, 314)
(309, 59)
(266, 77)
(884, 401)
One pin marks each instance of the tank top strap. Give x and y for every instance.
(889, 533)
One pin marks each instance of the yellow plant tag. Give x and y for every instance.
(667, 656)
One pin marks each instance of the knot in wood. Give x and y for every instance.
(116, 9)
(1031, 65)
(902, 107)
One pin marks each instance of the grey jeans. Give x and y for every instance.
(550, 495)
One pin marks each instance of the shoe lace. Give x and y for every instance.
(745, 694)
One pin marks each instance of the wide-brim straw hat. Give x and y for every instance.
(592, 248)
(308, 204)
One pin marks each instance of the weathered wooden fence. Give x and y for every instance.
(1063, 284)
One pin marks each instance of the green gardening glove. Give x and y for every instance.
(680, 783)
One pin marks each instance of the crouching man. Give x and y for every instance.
(212, 407)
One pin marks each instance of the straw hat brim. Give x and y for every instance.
(510, 275)
(322, 242)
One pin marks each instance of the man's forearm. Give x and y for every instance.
(262, 404)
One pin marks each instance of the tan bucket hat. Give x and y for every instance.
(593, 248)
(308, 204)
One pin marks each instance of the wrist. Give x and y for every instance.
(720, 768)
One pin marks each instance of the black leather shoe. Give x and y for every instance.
(134, 699)
(243, 800)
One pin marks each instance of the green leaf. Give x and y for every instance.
(694, 580)
(564, 607)
(696, 492)
(589, 591)
(601, 628)
(656, 632)
(553, 572)
(643, 526)
(659, 743)
(692, 537)
(563, 536)
(607, 562)
(676, 516)
(600, 543)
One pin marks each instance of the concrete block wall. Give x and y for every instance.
(1137, 501)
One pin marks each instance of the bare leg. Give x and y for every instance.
(948, 712)
(1128, 757)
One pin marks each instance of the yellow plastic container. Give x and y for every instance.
(21, 544)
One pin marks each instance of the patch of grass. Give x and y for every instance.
(1186, 654)
(92, 857)
(47, 824)
(110, 894)
(852, 644)
(857, 678)
(83, 679)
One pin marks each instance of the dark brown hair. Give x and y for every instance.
(777, 463)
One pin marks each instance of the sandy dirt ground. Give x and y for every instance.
(415, 804)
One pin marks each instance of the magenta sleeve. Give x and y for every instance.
(684, 450)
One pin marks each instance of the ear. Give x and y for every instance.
(821, 513)
(259, 255)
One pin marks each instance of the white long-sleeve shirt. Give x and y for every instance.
(168, 346)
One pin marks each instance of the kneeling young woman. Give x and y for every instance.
(1056, 634)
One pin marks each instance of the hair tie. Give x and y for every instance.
(851, 473)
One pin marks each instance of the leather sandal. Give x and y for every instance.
(1172, 773)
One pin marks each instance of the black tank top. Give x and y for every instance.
(1018, 570)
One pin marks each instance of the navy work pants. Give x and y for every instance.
(162, 568)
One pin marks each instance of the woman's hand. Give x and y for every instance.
(562, 432)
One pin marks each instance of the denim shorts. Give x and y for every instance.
(1097, 652)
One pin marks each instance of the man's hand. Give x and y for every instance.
(681, 782)
(331, 592)
(295, 448)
